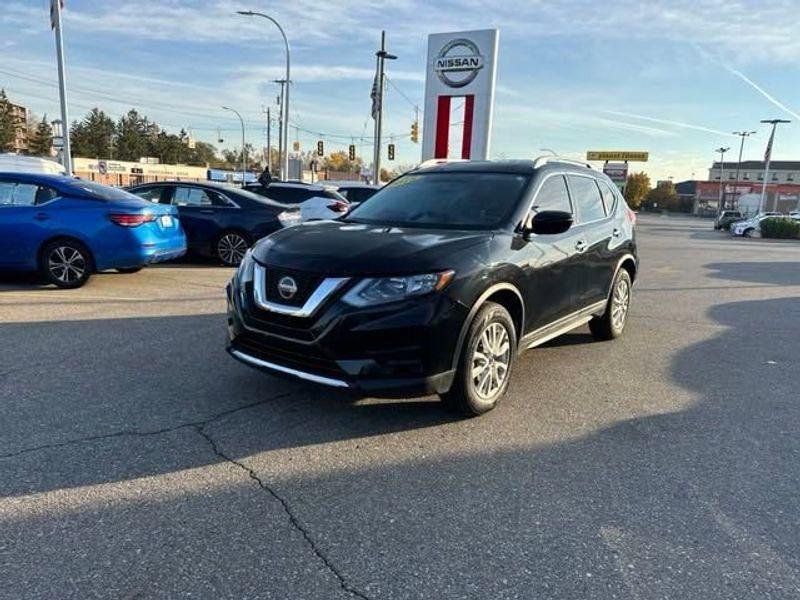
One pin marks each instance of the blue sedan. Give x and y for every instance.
(67, 228)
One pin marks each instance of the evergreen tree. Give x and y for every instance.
(40, 140)
(94, 136)
(8, 124)
(132, 136)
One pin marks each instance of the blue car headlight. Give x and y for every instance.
(373, 291)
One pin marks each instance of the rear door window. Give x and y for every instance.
(13, 193)
(190, 196)
(586, 196)
(609, 197)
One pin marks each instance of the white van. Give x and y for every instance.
(18, 163)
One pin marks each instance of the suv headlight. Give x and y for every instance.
(390, 289)
(245, 271)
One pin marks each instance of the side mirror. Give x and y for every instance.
(550, 222)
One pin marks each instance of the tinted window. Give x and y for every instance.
(444, 200)
(151, 194)
(552, 195)
(586, 197)
(190, 196)
(609, 198)
(17, 194)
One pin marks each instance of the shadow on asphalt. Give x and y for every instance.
(700, 503)
(776, 273)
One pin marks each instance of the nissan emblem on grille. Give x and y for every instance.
(287, 287)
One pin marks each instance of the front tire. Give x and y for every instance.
(66, 264)
(611, 325)
(231, 247)
(484, 367)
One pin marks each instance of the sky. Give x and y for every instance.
(672, 77)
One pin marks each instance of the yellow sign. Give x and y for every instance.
(617, 155)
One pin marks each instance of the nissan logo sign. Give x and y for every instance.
(458, 63)
(287, 287)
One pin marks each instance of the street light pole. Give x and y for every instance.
(744, 135)
(285, 157)
(62, 85)
(244, 156)
(768, 159)
(382, 55)
(722, 152)
(553, 152)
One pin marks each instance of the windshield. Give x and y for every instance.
(444, 200)
(99, 191)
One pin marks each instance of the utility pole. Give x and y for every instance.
(721, 202)
(281, 147)
(55, 21)
(268, 157)
(744, 135)
(380, 81)
(768, 159)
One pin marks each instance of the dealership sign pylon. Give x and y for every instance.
(461, 73)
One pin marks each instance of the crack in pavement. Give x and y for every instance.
(135, 433)
(293, 519)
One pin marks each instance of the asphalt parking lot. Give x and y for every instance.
(137, 460)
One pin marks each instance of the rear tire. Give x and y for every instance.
(484, 367)
(611, 324)
(748, 233)
(67, 264)
(231, 247)
(127, 270)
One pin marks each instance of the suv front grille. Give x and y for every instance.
(288, 354)
(306, 284)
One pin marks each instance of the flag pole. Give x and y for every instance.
(55, 11)
(768, 160)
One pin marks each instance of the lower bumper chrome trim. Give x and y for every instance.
(289, 371)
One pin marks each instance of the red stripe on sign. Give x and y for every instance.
(466, 140)
(442, 127)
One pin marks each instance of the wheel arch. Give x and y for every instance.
(505, 294)
(66, 238)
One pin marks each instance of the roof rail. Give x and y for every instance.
(546, 158)
(432, 162)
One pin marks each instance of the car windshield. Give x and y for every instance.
(445, 200)
(99, 191)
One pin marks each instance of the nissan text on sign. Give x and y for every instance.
(462, 66)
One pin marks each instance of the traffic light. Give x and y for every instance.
(296, 146)
(351, 152)
(391, 151)
(320, 148)
(415, 132)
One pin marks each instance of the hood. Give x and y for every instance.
(358, 249)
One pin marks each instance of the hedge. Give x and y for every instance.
(780, 228)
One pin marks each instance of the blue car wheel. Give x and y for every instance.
(66, 263)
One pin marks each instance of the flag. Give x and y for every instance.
(768, 153)
(374, 95)
(53, 12)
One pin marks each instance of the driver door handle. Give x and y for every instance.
(580, 245)
(41, 216)
(207, 211)
(617, 232)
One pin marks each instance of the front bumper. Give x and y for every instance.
(402, 349)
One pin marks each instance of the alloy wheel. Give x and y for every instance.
(232, 248)
(66, 264)
(620, 302)
(490, 360)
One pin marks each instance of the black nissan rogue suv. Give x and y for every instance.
(438, 281)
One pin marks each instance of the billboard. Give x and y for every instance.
(626, 155)
(461, 66)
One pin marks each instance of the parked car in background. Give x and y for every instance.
(220, 221)
(315, 202)
(66, 228)
(726, 217)
(19, 163)
(752, 227)
(354, 191)
(484, 259)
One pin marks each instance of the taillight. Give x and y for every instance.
(289, 217)
(631, 215)
(339, 206)
(131, 220)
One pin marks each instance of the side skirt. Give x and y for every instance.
(561, 326)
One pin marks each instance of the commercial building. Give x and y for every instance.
(124, 173)
(780, 171)
(704, 195)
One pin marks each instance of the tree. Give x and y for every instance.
(202, 154)
(8, 124)
(94, 136)
(40, 140)
(662, 197)
(132, 136)
(636, 189)
(340, 161)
